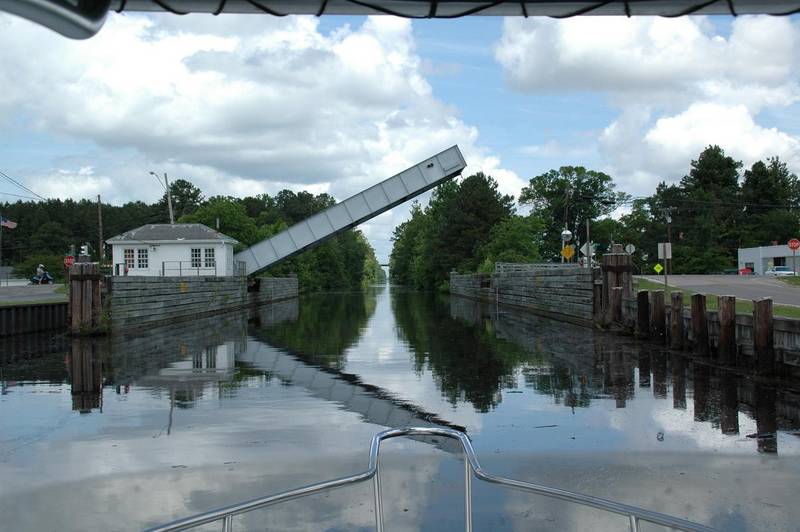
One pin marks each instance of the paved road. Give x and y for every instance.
(741, 286)
(37, 293)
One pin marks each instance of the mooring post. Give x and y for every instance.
(85, 298)
(658, 315)
(763, 335)
(726, 350)
(676, 321)
(699, 325)
(616, 305)
(643, 314)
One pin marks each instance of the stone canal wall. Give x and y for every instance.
(561, 292)
(269, 289)
(21, 319)
(135, 302)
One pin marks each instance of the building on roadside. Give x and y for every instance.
(177, 250)
(762, 258)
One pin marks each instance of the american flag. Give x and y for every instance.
(5, 222)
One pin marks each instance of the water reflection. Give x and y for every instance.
(468, 362)
(86, 376)
(225, 403)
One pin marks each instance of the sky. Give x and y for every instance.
(241, 105)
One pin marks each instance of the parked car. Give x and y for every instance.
(780, 271)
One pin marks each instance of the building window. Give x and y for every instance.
(196, 262)
(210, 260)
(779, 261)
(142, 258)
(128, 253)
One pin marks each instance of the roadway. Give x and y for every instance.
(741, 286)
(45, 293)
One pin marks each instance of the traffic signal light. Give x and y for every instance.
(85, 249)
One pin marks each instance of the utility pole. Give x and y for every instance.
(588, 246)
(169, 201)
(169, 195)
(100, 229)
(668, 246)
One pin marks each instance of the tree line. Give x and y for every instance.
(46, 231)
(715, 209)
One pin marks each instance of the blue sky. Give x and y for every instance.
(244, 105)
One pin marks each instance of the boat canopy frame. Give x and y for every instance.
(82, 19)
(472, 468)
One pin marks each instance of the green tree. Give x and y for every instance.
(772, 196)
(186, 198)
(449, 233)
(233, 220)
(516, 239)
(567, 197)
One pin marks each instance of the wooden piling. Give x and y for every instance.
(616, 305)
(676, 321)
(763, 335)
(726, 350)
(643, 314)
(657, 315)
(85, 300)
(699, 325)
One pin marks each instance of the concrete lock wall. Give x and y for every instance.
(561, 292)
(139, 302)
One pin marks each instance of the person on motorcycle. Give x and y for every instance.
(40, 271)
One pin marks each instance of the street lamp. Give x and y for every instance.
(566, 236)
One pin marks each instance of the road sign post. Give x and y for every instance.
(664, 253)
(794, 245)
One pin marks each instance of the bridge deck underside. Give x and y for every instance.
(353, 211)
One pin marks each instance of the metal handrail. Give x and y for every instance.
(472, 466)
(189, 269)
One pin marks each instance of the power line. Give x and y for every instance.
(20, 185)
(17, 195)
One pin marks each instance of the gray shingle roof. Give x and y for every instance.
(167, 232)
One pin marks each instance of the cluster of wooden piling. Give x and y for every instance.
(85, 301)
(652, 322)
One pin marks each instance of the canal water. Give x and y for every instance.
(135, 430)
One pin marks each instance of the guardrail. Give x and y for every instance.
(183, 268)
(471, 468)
(505, 267)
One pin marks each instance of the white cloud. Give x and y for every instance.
(236, 107)
(679, 84)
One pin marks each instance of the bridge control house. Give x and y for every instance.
(177, 250)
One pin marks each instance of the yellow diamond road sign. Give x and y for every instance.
(567, 252)
(658, 268)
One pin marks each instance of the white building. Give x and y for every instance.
(762, 258)
(173, 250)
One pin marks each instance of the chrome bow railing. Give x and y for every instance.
(471, 467)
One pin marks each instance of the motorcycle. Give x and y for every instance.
(42, 279)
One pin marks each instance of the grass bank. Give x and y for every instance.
(743, 306)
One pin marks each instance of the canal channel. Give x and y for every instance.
(130, 431)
